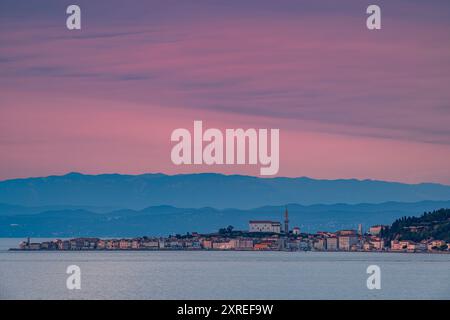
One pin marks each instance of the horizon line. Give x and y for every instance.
(220, 174)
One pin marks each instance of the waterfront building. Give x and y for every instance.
(264, 226)
(109, 244)
(34, 246)
(150, 244)
(332, 243)
(196, 245)
(64, 245)
(49, 245)
(124, 244)
(436, 244)
(304, 245)
(368, 246)
(73, 244)
(400, 245)
(245, 244)
(207, 244)
(223, 245)
(241, 244)
(174, 244)
(320, 244)
(45, 246)
(27, 245)
(416, 247)
(262, 246)
(89, 243)
(135, 243)
(378, 243)
(293, 245)
(101, 244)
(347, 238)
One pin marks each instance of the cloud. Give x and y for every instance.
(299, 65)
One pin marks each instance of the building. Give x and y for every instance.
(150, 244)
(376, 230)
(416, 247)
(262, 246)
(264, 226)
(347, 232)
(34, 246)
(400, 245)
(378, 243)
(223, 245)
(101, 244)
(304, 246)
(368, 246)
(135, 243)
(207, 244)
(346, 242)
(112, 244)
(347, 238)
(332, 243)
(124, 244)
(320, 244)
(296, 231)
(436, 244)
(242, 244)
(64, 245)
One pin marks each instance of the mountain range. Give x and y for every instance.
(205, 190)
(164, 220)
(77, 204)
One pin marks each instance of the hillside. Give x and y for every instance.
(431, 225)
(164, 220)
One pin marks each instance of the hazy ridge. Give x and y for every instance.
(164, 220)
(206, 190)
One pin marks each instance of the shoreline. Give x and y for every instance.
(219, 250)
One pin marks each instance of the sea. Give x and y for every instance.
(221, 275)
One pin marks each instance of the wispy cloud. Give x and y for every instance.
(301, 65)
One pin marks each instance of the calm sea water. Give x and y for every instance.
(221, 275)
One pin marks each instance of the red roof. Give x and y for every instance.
(263, 221)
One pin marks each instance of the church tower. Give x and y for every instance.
(286, 221)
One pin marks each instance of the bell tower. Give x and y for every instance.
(286, 221)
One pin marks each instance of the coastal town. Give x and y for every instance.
(262, 235)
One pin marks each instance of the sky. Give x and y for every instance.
(349, 102)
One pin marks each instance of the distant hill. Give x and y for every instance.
(13, 210)
(164, 220)
(206, 190)
(430, 225)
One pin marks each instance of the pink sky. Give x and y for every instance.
(349, 103)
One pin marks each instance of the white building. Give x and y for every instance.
(264, 226)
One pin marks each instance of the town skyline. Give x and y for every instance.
(268, 235)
